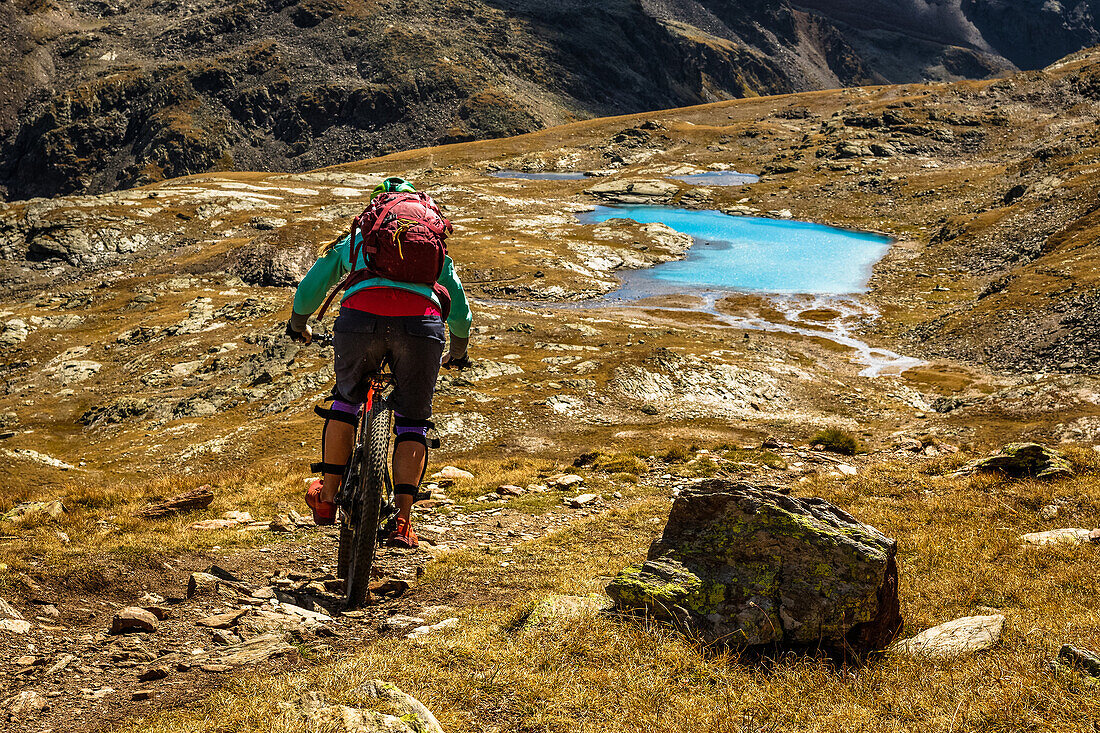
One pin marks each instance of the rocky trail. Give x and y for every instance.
(171, 633)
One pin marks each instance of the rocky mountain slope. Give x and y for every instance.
(161, 307)
(106, 94)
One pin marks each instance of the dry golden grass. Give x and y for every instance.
(957, 552)
(101, 531)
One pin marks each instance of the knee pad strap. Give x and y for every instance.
(338, 415)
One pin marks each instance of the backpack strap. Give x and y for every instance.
(380, 219)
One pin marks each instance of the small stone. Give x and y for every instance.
(62, 662)
(420, 631)
(139, 695)
(1049, 512)
(955, 638)
(133, 619)
(1094, 536)
(222, 620)
(1079, 659)
(847, 470)
(583, 500)
(208, 525)
(510, 490)
(201, 584)
(161, 612)
(400, 622)
(14, 625)
(281, 523)
(236, 516)
(1067, 536)
(453, 473)
(225, 638)
(564, 481)
(25, 661)
(215, 668)
(151, 674)
(24, 703)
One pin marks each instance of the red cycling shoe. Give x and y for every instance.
(324, 512)
(404, 536)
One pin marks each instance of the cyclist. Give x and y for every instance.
(402, 323)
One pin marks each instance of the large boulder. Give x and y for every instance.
(1023, 460)
(746, 566)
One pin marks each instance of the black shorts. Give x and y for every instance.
(411, 345)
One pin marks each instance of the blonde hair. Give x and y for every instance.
(329, 246)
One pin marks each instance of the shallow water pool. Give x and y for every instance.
(750, 254)
(718, 178)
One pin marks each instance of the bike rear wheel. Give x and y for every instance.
(373, 480)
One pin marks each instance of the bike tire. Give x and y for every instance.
(372, 493)
(347, 518)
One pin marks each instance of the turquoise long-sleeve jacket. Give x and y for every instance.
(331, 267)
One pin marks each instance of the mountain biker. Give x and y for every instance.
(402, 323)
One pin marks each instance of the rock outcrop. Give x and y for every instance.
(110, 95)
(746, 566)
(1023, 460)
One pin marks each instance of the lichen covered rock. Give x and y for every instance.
(745, 566)
(1023, 460)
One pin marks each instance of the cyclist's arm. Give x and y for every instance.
(461, 318)
(322, 277)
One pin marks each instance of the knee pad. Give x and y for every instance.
(406, 428)
(409, 430)
(344, 412)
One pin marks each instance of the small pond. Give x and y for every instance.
(799, 267)
(543, 176)
(718, 178)
(751, 254)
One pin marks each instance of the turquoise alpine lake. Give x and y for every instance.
(751, 254)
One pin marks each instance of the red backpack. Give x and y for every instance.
(404, 235)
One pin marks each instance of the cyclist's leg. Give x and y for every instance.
(337, 440)
(415, 347)
(358, 351)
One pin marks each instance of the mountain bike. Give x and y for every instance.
(367, 512)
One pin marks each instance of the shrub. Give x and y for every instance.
(621, 463)
(678, 454)
(837, 440)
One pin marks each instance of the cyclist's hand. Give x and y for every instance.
(456, 362)
(303, 336)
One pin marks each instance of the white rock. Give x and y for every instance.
(847, 470)
(401, 622)
(420, 631)
(453, 473)
(1067, 536)
(24, 703)
(206, 525)
(566, 480)
(14, 625)
(583, 500)
(303, 612)
(955, 638)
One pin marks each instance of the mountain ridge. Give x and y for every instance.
(109, 94)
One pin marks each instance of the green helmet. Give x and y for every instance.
(392, 184)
